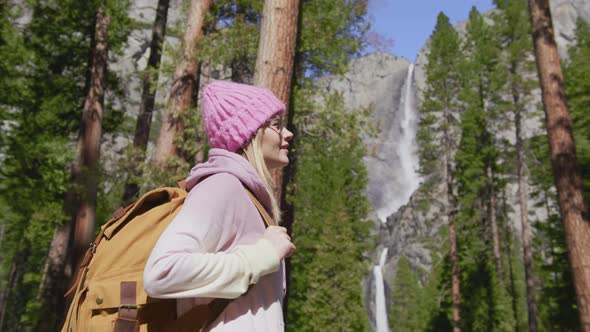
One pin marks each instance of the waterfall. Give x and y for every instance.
(380, 308)
(406, 149)
(407, 146)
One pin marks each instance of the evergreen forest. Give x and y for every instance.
(81, 135)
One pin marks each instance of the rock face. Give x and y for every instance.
(130, 64)
(565, 14)
(377, 81)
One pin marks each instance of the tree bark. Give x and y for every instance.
(494, 224)
(526, 235)
(449, 145)
(185, 78)
(455, 276)
(564, 162)
(6, 292)
(89, 142)
(276, 52)
(274, 69)
(508, 244)
(148, 97)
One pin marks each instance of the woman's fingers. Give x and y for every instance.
(280, 240)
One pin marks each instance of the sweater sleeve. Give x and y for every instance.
(185, 261)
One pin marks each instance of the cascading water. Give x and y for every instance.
(408, 179)
(407, 146)
(380, 308)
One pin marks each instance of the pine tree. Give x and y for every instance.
(318, 52)
(183, 83)
(34, 167)
(558, 311)
(477, 171)
(45, 110)
(148, 99)
(515, 33)
(437, 135)
(407, 293)
(576, 73)
(331, 227)
(564, 162)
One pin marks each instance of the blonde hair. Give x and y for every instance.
(253, 153)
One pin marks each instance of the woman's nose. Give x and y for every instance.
(287, 135)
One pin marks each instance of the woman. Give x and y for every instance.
(217, 246)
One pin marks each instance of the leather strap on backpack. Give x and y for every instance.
(128, 310)
(268, 221)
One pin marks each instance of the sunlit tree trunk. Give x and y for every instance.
(276, 51)
(185, 80)
(564, 162)
(274, 70)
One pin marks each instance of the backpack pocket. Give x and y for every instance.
(103, 297)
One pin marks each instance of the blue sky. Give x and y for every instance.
(410, 22)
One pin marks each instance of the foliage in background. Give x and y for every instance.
(497, 76)
(577, 73)
(43, 73)
(46, 73)
(332, 233)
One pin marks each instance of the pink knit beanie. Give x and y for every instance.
(233, 112)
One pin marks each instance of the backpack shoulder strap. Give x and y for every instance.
(268, 221)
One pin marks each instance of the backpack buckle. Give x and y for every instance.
(128, 306)
(93, 248)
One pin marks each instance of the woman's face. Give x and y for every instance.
(275, 143)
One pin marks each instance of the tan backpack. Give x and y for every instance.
(109, 293)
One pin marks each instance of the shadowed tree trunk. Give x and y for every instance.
(494, 223)
(526, 235)
(185, 80)
(89, 142)
(148, 98)
(72, 237)
(6, 292)
(455, 276)
(564, 162)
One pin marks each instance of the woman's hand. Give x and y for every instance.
(280, 240)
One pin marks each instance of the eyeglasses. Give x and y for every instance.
(276, 124)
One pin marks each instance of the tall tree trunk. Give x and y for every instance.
(185, 78)
(276, 52)
(508, 244)
(13, 299)
(448, 144)
(527, 242)
(274, 69)
(455, 277)
(84, 172)
(89, 141)
(564, 162)
(276, 49)
(494, 224)
(6, 292)
(148, 97)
